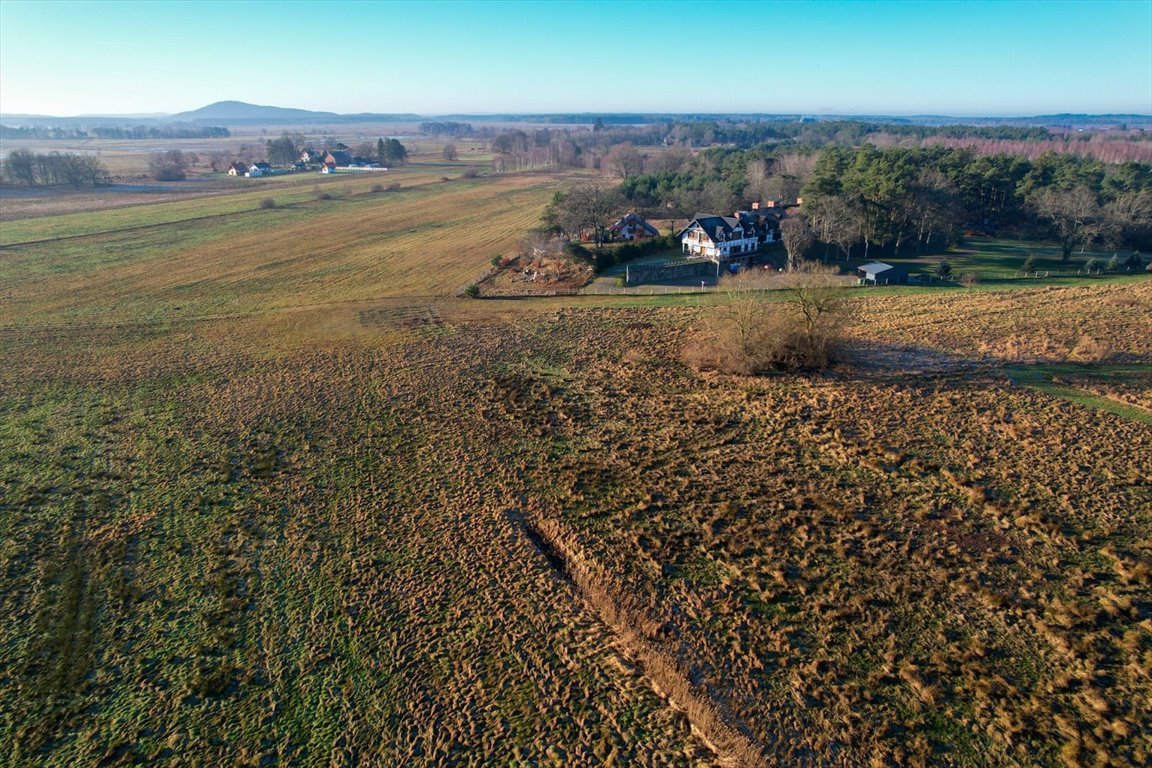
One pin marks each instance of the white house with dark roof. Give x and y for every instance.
(633, 227)
(708, 236)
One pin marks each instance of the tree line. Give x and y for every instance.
(895, 200)
(115, 132)
(446, 128)
(527, 149)
(23, 166)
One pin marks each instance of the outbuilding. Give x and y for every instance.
(879, 273)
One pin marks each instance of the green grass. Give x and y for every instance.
(1051, 379)
(999, 261)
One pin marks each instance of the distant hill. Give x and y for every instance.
(242, 113)
(239, 111)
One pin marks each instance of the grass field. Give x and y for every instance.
(270, 494)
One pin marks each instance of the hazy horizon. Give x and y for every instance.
(903, 59)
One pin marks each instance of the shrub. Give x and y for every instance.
(1029, 263)
(267, 203)
(393, 187)
(749, 336)
(1091, 266)
(377, 188)
(1113, 264)
(471, 173)
(943, 269)
(472, 291)
(497, 260)
(322, 194)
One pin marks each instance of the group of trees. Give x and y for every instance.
(582, 212)
(115, 132)
(23, 166)
(897, 200)
(286, 150)
(894, 199)
(446, 128)
(169, 166)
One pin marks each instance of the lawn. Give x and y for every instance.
(992, 259)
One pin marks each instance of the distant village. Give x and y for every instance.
(324, 161)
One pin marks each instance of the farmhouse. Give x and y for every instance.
(632, 227)
(237, 169)
(309, 155)
(338, 158)
(258, 169)
(879, 273)
(713, 237)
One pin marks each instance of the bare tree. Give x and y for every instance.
(624, 160)
(20, 166)
(449, 152)
(818, 294)
(671, 160)
(586, 209)
(798, 238)
(838, 221)
(1075, 216)
(748, 334)
(790, 173)
(169, 166)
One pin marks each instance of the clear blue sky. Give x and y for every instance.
(955, 57)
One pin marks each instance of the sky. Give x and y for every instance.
(904, 57)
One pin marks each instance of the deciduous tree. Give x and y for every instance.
(798, 238)
(1074, 214)
(281, 151)
(169, 166)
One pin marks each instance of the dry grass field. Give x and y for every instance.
(271, 495)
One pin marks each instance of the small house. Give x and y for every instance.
(633, 227)
(237, 169)
(879, 273)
